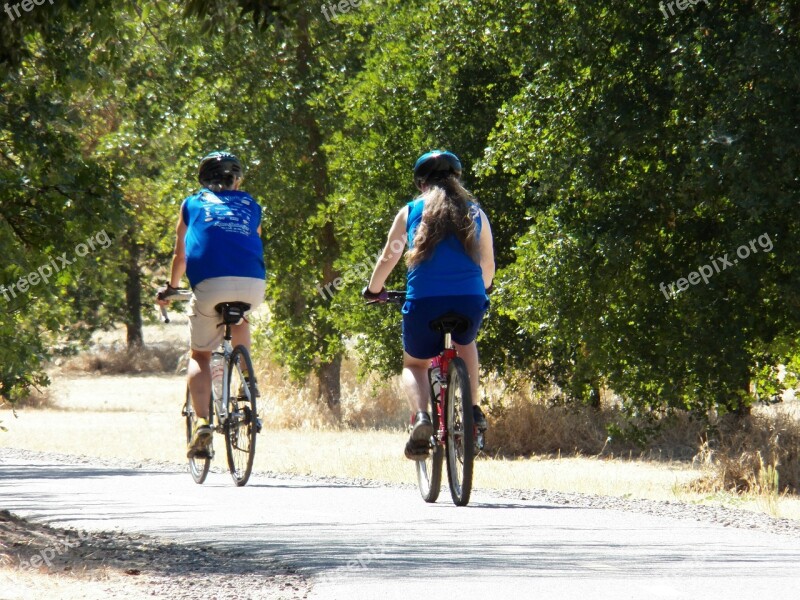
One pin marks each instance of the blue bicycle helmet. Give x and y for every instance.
(435, 165)
(219, 167)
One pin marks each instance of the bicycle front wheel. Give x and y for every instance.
(460, 432)
(198, 467)
(242, 423)
(429, 471)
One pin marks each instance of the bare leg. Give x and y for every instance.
(240, 334)
(200, 382)
(415, 382)
(469, 354)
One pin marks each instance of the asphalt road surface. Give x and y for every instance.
(386, 543)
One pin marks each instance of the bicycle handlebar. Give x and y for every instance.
(179, 295)
(393, 297)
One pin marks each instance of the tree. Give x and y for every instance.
(55, 199)
(652, 147)
(432, 78)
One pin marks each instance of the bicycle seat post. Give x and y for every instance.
(448, 339)
(232, 313)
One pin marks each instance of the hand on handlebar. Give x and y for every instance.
(164, 293)
(381, 296)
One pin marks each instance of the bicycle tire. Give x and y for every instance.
(460, 444)
(429, 471)
(241, 426)
(198, 467)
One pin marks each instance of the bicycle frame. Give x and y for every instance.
(220, 404)
(442, 361)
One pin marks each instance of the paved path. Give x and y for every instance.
(386, 543)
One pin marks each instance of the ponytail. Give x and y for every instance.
(446, 211)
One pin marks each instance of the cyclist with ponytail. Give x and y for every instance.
(450, 269)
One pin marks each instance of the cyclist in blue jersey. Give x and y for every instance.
(450, 268)
(218, 247)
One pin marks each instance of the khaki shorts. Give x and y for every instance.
(203, 319)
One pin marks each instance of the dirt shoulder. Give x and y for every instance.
(38, 561)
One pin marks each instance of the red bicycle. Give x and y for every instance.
(455, 433)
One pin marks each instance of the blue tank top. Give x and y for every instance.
(449, 271)
(222, 236)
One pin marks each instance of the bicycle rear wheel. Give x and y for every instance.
(460, 432)
(242, 424)
(198, 467)
(429, 471)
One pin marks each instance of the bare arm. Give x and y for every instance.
(179, 256)
(392, 251)
(487, 251)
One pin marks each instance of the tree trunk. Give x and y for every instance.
(306, 62)
(133, 291)
(329, 375)
(594, 396)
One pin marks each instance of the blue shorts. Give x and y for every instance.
(421, 341)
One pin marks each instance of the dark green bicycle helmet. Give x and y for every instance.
(219, 168)
(435, 165)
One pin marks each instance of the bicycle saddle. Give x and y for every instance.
(451, 322)
(232, 312)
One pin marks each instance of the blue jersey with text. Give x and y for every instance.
(449, 271)
(222, 236)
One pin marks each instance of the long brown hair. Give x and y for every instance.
(446, 212)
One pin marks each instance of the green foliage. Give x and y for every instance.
(55, 195)
(213, 13)
(84, 132)
(650, 148)
(612, 149)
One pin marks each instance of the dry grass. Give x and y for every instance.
(165, 351)
(38, 398)
(522, 424)
(113, 360)
(525, 422)
(369, 404)
(757, 454)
